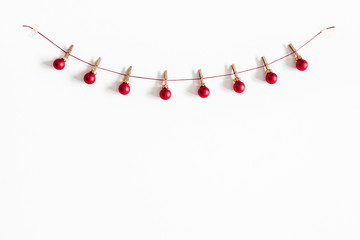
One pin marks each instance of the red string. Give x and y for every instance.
(182, 79)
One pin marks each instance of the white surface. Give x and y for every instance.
(83, 162)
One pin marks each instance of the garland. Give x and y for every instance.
(165, 93)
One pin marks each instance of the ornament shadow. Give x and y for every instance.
(290, 60)
(194, 86)
(228, 80)
(114, 87)
(80, 77)
(49, 63)
(155, 90)
(260, 73)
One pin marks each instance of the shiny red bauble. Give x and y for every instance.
(59, 63)
(239, 86)
(271, 78)
(203, 92)
(89, 78)
(301, 64)
(165, 94)
(124, 88)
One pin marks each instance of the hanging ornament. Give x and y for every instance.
(90, 78)
(271, 77)
(301, 64)
(124, 87)
(59, 63)
(239, 86)
(203, 91)
(165, 93)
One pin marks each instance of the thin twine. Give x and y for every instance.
(181, 79)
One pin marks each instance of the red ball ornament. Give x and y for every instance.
(203, 91)
(89, 78)
(271, 78)
(301, 64)
(59, 63)
(165, 94)
(124, 88)
(239, 86)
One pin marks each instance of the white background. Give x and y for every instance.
(275, 162)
